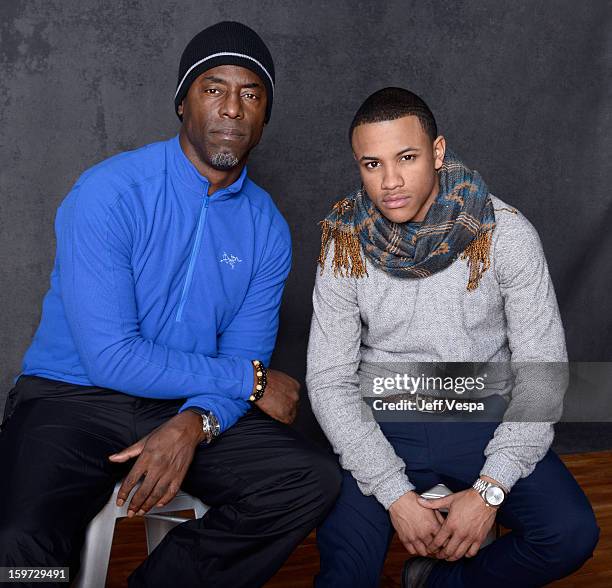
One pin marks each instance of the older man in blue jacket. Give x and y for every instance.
(153, 344)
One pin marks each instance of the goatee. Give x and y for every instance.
(224, 160)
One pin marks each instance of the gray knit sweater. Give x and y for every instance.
(511, 316)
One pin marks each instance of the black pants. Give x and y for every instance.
(266, 486)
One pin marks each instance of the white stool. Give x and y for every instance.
(96, 550)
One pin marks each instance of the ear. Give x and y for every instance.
(180, 107)
(439, 149)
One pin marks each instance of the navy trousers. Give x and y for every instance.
(553, 526)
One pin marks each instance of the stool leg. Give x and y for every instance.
(157, 525)
(95, 554)
(199, 508)
(156, 528)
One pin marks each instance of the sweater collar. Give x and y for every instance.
(189, 175)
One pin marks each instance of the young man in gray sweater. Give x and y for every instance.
(422, 264)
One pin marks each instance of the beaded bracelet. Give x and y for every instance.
(262, 374)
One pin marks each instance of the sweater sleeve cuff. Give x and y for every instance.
(501, 468)
(388, 491)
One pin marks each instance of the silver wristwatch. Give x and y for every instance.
(210, 424)
(492, 494)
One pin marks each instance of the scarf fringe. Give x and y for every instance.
(347, 261)
(478, 255)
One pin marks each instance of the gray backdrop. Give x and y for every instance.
(521, 91)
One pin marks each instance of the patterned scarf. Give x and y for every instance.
(459, 222)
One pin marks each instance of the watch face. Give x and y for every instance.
(494, 496)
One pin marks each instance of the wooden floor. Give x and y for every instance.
(592, 470)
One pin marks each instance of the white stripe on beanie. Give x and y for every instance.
(230, 54)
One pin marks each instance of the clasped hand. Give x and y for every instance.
(424, 531)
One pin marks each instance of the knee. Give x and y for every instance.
(581, 538)
(570, 541)
(28, 541)
(14, 539)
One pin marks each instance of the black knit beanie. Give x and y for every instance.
(225, 43)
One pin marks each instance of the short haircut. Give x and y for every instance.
(391, 104)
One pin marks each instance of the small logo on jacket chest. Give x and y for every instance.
(230, 259)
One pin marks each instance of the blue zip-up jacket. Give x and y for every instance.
(159, 290)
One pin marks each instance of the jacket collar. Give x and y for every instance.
(181, 167)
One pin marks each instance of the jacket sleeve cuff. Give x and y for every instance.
(394, 487)
(247, 379)
(503, 469)
(199, 402)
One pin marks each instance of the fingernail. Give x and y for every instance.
(130, 514)
(140, 512)
(120, 502)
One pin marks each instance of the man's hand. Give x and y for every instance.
(280, 399)
(164, 456)
(468, 521)
(416, 526)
